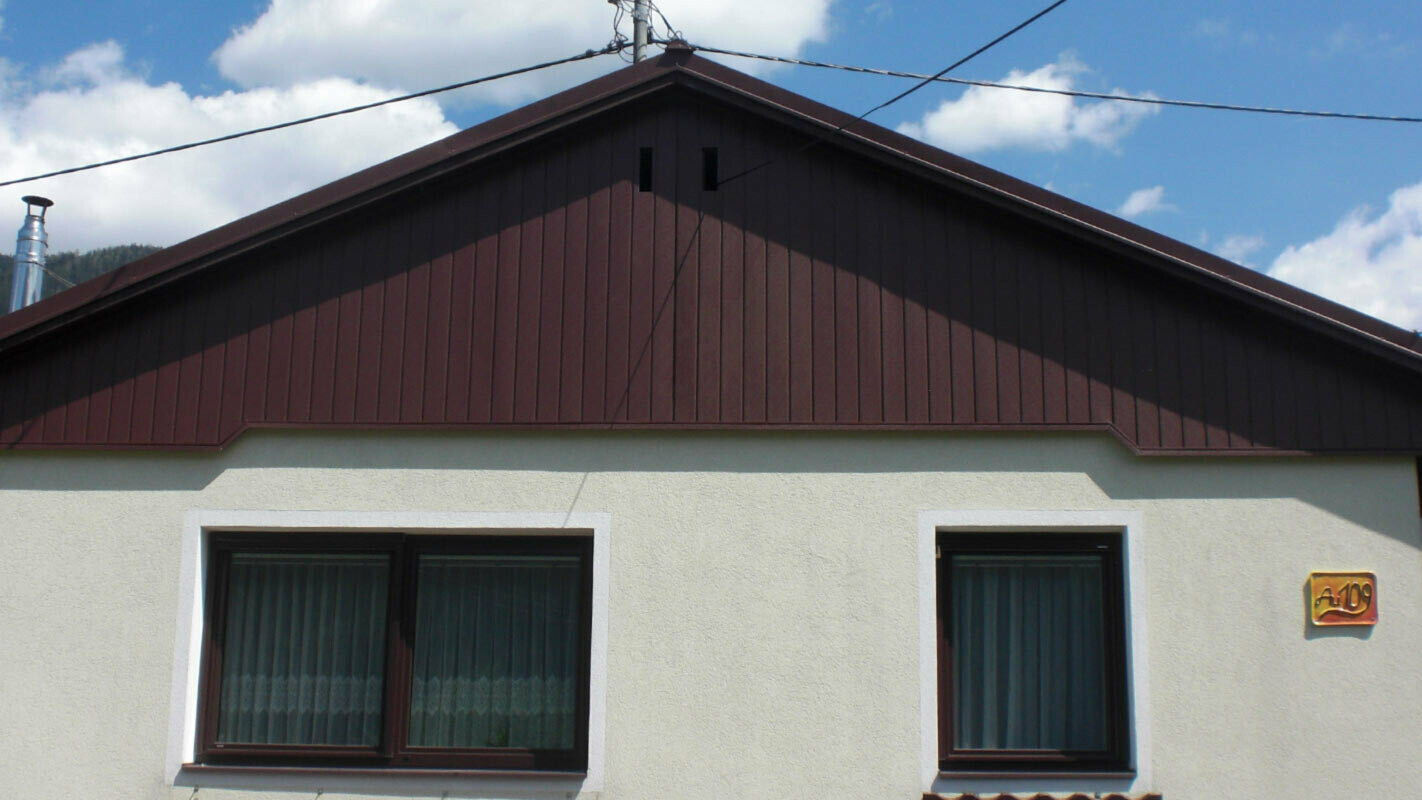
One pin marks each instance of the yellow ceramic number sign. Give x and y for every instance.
(1343, 598)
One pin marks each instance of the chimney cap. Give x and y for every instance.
(36, 200)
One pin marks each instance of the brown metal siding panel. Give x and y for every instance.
(732, 366)
(507, 312)
(1055, 398)
(413, 376)
(818, 291)
(869, 302)
(571, 389)
(597, 181)
(551, 258)
(657, 317)
(526, 365)
(983, 315)
(1168, 366)
(77, 393)
(751, 194)
(778, 225)
(635, 220)
(709, 271)
(1006, 255)
(892, 302)
(214, 330)
(484, 305)
(234, 368)
(938, 248)
(909, 215)
(799, 244)
(1031, 396)
(1144, 314)
(103, 376)
(685, 275)
(844, 310)
(439, 333)
(304, 273)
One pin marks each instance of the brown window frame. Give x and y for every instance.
(404, 551)
(1116, 756)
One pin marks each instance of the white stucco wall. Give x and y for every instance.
(763, 609)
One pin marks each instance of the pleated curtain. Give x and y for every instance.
(1028, 652)
(496, 652)
(304, 651)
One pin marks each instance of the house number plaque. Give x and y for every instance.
(1343, 598)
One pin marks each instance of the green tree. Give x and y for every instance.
(75, 267)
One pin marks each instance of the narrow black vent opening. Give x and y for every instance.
(644, 169)
(710, 169)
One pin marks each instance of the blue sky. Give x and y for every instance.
(1334, 206)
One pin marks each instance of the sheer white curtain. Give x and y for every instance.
(496, 652)
(1028, 652)
(303, 657)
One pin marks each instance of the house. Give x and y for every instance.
(544, 461)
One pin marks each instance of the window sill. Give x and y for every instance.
(410, 781)
(1016, 774)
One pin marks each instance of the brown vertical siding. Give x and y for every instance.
(543, 288)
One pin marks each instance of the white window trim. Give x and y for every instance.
(1125, 522)
(187, 652)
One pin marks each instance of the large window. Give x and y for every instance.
(397, 650)
(1031, 652)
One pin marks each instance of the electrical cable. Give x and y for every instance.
(611, 48)
(901, 95)
(672, 33)
(68, 283)
(1068, 92)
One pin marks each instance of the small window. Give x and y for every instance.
(644, 169)
(395, 650)
(1031, 652)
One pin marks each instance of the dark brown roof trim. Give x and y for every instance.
(680, 66)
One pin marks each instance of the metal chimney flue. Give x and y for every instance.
(31, 247)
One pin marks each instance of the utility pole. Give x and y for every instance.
(641, 15)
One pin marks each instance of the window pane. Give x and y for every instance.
(496, 652)
(303, 659)
(1028, 652)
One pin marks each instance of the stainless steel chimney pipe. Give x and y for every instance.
(31, 246)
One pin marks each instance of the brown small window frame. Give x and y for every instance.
(1115, 758)
(391, 752)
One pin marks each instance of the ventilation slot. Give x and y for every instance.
(644, 169)
(710, 169)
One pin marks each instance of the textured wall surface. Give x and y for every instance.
(763, 607)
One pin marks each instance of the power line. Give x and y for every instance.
(1069, 92)
(927, 79)
(611, 48)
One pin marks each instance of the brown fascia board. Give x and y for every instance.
(679, 65)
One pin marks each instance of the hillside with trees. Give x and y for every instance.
(74, 267)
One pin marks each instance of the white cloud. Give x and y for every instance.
(986, 119)
(1222, 32)
(421, 43)
(1145, 201)
(102, 111)
(96, 64)
(1372, 263)
(1239, 247)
